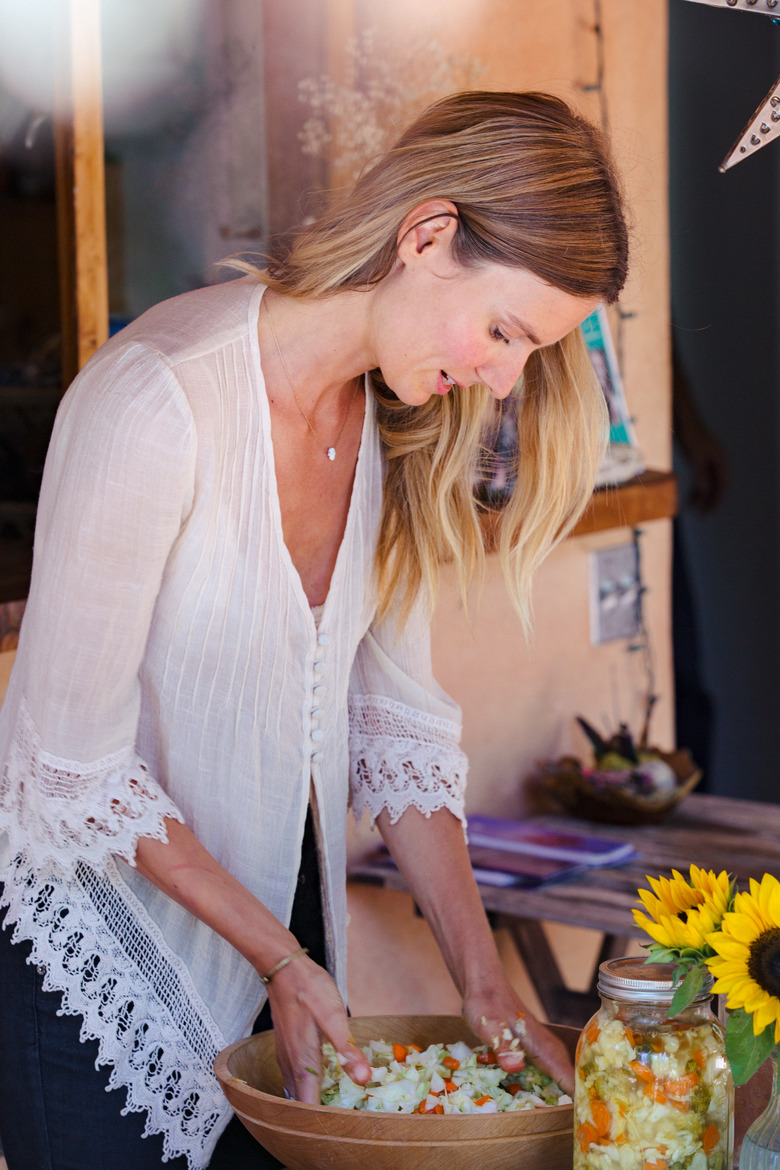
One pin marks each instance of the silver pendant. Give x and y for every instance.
(331, 453)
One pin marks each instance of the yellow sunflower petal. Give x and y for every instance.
(742, 928)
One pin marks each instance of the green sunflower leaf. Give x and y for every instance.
(687, 991)
(660, 954)
(746, 1052)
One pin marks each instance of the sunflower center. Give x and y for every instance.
(764, 961)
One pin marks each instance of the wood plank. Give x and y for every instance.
(81, 193)
(649, 496)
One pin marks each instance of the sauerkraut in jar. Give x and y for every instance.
(651, 1093)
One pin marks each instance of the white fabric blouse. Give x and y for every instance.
(169, 666)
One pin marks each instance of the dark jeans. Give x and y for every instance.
(55, 1113)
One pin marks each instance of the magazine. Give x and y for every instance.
(526, 837)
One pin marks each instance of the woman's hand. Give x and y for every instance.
(501, 1020)
(307, 1008)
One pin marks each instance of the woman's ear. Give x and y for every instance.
(427, 227)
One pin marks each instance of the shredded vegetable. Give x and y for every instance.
(444, 1078)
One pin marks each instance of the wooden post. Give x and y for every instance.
(81, 199)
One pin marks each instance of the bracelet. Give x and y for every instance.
(283, 963)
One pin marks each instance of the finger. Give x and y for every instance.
(355, 1063)
(550, 1054)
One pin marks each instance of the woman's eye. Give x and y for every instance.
(497, 335)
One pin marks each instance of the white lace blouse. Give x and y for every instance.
(169, 666)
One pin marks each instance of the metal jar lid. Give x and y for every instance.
(634, 980)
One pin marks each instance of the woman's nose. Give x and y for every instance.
(501, 375)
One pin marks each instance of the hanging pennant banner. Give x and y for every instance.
(763, 127)
(768, 7)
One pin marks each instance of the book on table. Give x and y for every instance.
(531, 839)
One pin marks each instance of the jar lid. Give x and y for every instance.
(635, 980)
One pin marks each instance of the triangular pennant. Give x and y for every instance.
(762, 128)
(768, 7)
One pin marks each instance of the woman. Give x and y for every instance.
(227, 632)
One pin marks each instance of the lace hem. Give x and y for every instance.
(136, 1000)
(64, 812)
(403, 758)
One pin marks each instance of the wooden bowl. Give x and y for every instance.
(306, 1136)
(566, 782)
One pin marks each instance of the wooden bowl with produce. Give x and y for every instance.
(305, 1136)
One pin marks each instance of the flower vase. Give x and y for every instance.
(760, 1148)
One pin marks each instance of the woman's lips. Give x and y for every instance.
(445, 383)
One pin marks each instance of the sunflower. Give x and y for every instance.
(682, 912)
(746, 964)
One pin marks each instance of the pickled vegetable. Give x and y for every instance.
(651, 1097)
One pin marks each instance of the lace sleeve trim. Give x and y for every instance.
(64, 812)
(402, 758)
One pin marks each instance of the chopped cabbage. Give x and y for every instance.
(470, 1082)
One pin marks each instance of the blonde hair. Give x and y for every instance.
(534, 188)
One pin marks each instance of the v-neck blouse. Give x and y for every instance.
(169, 665)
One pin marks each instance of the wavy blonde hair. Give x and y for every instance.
(534, 188)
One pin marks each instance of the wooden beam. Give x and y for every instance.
(81, 195)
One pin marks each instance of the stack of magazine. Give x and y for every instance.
(522, 853)
(525, 854)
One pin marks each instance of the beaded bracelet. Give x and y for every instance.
(283, 963)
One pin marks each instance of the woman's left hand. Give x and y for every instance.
(501, 1020)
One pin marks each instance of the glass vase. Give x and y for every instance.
(760, 1148)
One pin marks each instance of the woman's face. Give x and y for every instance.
(441, 326)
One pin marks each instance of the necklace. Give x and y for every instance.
(329, 451)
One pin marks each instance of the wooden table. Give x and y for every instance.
(715, 832)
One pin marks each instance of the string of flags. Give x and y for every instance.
(764, 126)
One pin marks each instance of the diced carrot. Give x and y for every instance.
(513, 1088)
(438, 1109)
(700, 1058)
(602, 1118)
(451, 1063)
(592, 1032)
(414, 1047)
(586, 1134)
(641, 1071)
(621, 1139)
(656, 1093)
(482, 1100)
(488, 1057)
(680, 1106)
(450, 1087)
(661, 1164)
(710, 1138)
(630, 1037)
(683, 1086)
(400, 1052)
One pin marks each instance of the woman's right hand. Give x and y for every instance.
(307, 1009)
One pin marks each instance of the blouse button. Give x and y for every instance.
(323, 639)
(319, 689)
(317, 735)
(317, 713)
(317, 757)
(319, 667)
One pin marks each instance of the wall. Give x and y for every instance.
(519, 699)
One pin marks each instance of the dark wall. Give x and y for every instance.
(724, 237)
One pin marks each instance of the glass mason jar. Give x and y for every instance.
(651, 1093)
